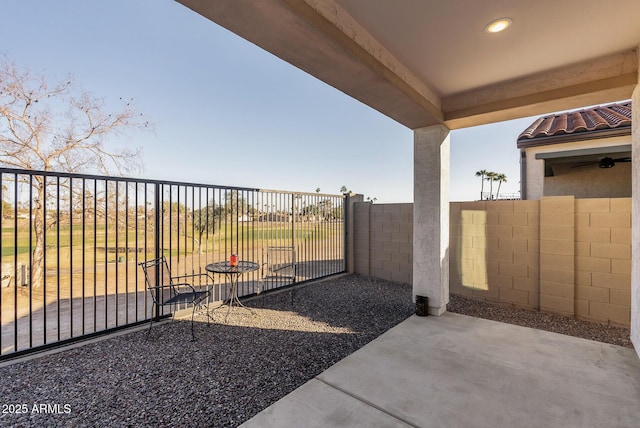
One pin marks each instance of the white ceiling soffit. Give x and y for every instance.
(423, 62)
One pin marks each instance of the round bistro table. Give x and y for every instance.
(233, 273)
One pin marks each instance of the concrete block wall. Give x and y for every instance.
(494, 251)
(559, 254)
(384, 241)
(603, 260)
(361, 237)
(468, 241)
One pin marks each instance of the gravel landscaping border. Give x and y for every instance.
(235, 369)
(232, 372)
(541, 320)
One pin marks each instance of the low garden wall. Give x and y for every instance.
(383, 236)
(558, 254)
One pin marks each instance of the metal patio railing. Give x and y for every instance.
(71, 244)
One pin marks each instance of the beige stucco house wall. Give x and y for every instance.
(561, 154)
(572, 178)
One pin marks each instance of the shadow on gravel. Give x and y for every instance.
(232, 372)
(360, 304)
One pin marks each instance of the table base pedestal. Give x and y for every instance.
(232, 300)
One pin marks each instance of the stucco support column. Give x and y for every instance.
(635, 215)
(431, 216)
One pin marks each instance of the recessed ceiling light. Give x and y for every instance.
(498, 25)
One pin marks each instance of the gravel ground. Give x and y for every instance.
(540, 320)
(234, 369)
(232, 372)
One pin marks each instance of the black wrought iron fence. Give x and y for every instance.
(71, 244)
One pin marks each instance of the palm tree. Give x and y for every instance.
(500, 178)
(482, 174)
(491, 176)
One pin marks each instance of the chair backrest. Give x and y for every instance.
(281, 262)
(157, 275)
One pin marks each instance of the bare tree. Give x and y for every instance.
(58, 128)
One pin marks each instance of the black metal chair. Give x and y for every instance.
(279, 269)
(167, 290)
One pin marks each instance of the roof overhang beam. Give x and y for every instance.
(322, 39)
(625, 148)
(602, 80)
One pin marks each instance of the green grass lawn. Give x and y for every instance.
(107, 238)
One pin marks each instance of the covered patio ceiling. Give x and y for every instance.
(426, 62)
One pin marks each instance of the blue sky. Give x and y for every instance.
(226, 112)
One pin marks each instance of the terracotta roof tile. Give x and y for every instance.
(576, 122)
(585, 120)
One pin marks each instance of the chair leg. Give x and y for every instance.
(151, 321)
(261, 290)
(210, 318)
(193, 335)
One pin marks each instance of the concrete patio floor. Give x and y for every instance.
(460, 371)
